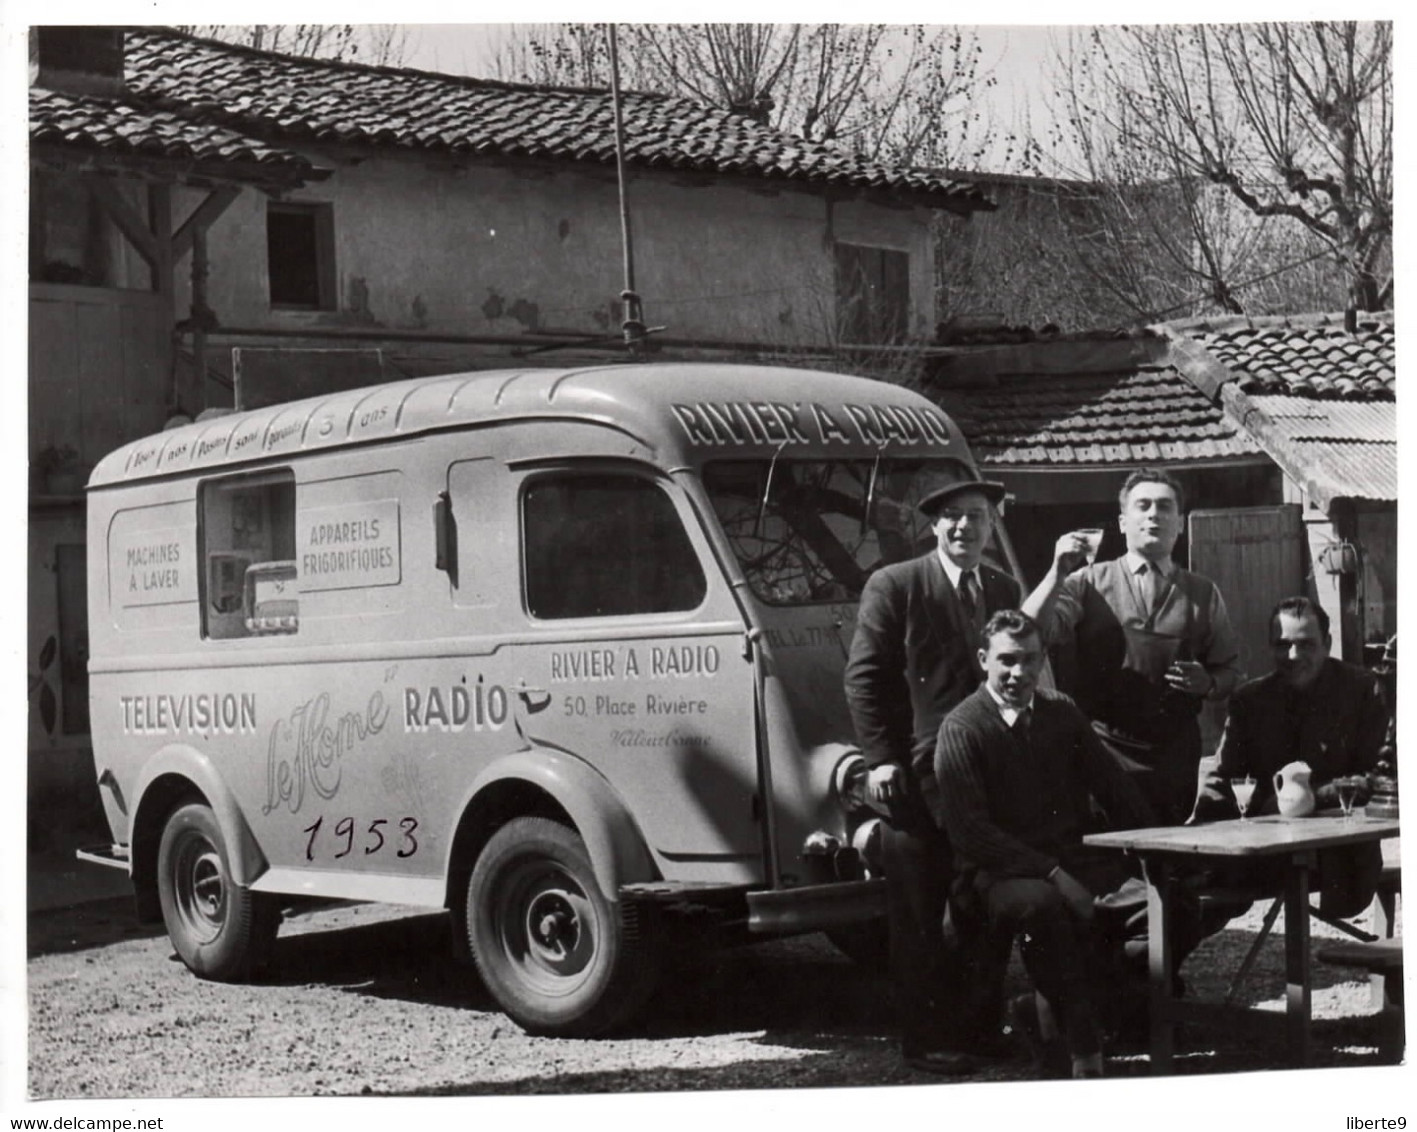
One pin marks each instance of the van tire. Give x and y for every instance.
(221, 930)
(557, 956)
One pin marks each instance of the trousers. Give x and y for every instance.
(947, 982)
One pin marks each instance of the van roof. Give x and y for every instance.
(673, 409)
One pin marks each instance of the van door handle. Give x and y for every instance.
(445, 537)
(527, 694)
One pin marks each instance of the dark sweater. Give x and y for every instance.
(1015, 807)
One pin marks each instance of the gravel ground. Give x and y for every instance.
(366, 1000)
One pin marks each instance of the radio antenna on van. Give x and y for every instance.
(871, 489)
(767, 492)
(632, 323)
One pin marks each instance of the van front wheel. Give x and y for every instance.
(220, 930)
(555, 953)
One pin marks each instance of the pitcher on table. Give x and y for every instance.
(1292, 793)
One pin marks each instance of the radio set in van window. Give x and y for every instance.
(269, 600)
(248, 545)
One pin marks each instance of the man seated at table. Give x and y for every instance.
(1019, 768)
(1313, 709)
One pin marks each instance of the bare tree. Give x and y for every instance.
(903, 94)
(380, 44)
(1253, 161)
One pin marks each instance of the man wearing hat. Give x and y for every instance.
(915, 655)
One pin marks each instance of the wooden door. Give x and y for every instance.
(99, 367)
(1254, 554)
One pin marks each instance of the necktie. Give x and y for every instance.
(1023, 723)
(1153, 585)
(970, 598)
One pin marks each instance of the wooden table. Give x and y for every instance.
(1297, 839)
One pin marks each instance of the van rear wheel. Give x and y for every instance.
(221, 931)
(557, 956)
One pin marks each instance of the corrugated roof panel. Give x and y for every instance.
(1350, 470)
(1374, 421)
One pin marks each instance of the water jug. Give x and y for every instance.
(1292, 790)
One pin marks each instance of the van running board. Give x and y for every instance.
(114, 856)
(689, 895)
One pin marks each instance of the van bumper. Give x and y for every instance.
(815, 906)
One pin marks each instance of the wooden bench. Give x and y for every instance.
(1384, 920)
(1381, 959)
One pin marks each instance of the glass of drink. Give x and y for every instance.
(1347, 794)
(1244, 790)
(1093, 537)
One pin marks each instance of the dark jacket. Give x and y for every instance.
(1018, 804)
(1336, 726)
(914, 657)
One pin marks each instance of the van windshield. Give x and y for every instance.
(809, 531)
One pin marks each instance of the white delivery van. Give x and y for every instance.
(560, 651)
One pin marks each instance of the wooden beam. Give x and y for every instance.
(267, 177)
(160, 218)
(126, 217)
(202, 218)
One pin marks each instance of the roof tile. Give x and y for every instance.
(293, 99)
(1322, 361)
(117, 125)
(1111, 418)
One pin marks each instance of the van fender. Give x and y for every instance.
(178, 760)
(618, 851)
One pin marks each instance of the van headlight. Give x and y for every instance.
(866, 840)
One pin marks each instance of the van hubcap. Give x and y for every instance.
(200, 887)
(548, 926)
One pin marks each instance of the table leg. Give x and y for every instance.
(1384, 927)
(1158, 918)
(1296, 958)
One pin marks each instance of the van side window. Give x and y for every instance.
(605, 545)
(247, 549)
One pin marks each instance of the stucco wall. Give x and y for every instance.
(497, 249)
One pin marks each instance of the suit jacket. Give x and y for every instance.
(914, 656)
(1017, 802)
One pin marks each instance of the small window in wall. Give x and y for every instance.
(605, 545)
(248, 556)
(872, 294)
(300, 255)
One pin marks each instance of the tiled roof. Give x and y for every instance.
(117, 126)
(295, 99)
(1312, 356)
(1126, 417)
(1320, 399)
